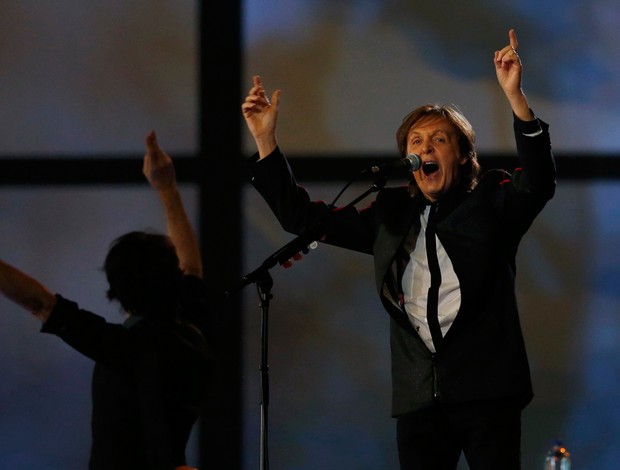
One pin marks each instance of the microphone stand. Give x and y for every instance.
(264, 283)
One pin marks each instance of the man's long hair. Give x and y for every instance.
(144, 274)
(466, 138)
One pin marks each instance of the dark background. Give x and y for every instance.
(81, 85)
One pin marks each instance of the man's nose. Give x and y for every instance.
(427, 147)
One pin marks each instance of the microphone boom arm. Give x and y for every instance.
(301, 242)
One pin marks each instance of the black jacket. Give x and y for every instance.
(482, 355)
(149, 380)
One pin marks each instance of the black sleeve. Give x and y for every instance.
(536, 157)
(86, 332)
(291, 204)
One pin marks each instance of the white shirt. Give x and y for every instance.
(416, 281)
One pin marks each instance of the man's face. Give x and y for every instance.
(435, 140)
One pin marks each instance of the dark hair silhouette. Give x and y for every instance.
(144, 274)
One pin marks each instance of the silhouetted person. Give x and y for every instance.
(151, 371)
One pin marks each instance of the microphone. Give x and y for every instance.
(411, 162)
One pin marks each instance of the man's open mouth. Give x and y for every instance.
(429, 167)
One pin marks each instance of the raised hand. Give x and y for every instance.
(159, 171)
(261, 116)
(508, 65)
(509, 71)
(158, 167)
